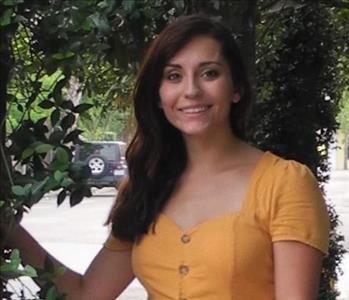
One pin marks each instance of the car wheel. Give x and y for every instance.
(98, 165)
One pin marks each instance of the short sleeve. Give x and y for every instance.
(298, 211)
(114, 244)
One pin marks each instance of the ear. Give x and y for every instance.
(236, 97)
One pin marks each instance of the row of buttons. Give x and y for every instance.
(184, 269)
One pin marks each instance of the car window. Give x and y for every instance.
(107, 151)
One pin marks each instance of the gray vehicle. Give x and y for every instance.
(106, 161)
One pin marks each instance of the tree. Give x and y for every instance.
(299, 90)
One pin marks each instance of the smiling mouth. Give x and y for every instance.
(195, 110)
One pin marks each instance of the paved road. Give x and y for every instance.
(74, 235)
(338, 194)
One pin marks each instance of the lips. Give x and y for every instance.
(195, 109)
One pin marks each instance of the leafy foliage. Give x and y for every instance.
(299, 87)
(12, 268)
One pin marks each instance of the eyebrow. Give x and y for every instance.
(202, 64)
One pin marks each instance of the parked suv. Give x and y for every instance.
(106, 161)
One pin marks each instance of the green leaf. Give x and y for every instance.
(28, 152)
(76, 197)
(56, 136)
(72, 136)
(62, 155)
(63, 56)
(57, 91)
(58, 175)
(52, 184)
(86, 25)
(6, 267)
(66, 182)
(29, 271)
(43, 148)
(18, 191)
(5, 18)
(46, 104)
(52, 294)
(61, 197)
(67, 105)
(11, 269)
(55, 117)
(7, 272)
(15, 257)
(36, 189)
(68, 121)
(27, 188)
(81, 108)
(41, 122)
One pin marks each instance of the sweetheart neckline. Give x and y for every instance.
(254, 176)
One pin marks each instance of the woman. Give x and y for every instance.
(203, 214)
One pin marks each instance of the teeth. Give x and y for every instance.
(193, 110)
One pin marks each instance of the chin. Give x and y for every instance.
(192, 132)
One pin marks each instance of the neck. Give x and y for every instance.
(212, 152)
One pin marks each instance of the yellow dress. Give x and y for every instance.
(230, 257)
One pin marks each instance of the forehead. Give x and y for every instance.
(197, 49)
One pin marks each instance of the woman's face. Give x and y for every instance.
(196, 90)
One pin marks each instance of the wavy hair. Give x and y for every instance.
(156, 156)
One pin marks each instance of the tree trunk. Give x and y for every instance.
(240, 15)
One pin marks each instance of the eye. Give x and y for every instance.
(210, 74)
(173, 76)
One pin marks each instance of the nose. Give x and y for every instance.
(192, 88)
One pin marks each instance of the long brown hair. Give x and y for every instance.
(156, 156)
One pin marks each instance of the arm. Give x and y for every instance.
(107, 276)
(297, 270)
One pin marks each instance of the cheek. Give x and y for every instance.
(167, 96)
(165, 101)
